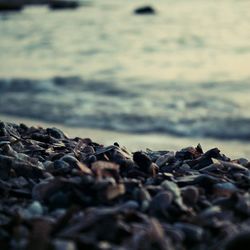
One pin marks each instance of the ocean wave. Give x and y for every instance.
(177, 109)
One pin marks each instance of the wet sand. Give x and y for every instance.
(232, 148)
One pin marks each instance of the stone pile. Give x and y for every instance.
(67, 193)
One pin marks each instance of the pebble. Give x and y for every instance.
(162, 160)
(160, 203)
(71, 160)
(192, 232)
(190, 195)
(64, 245)
(225, 189)
(145, 10)
(61, 164)
(35, 208)
(142, 160)
(56, 133)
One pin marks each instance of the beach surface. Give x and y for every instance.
(232, 148)
(63, 193)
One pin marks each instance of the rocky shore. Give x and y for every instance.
(72, 193)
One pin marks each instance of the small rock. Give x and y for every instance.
(35, 208)
(190, 195)
(71, 160)
(145, 10)
(56, 133)
(64, 245)
(142, 160)
(225, 189)
(61, 164)
(160, 203)
(162, 160)
(63, 4)
(192, 233)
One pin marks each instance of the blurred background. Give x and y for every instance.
(175, 75)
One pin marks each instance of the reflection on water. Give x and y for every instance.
(183, 71)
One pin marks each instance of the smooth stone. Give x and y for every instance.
(61, 164)
(63, 4)
(48, 165)
(209, 212)
(190, 195)
(225, 189)
(145, 10)
(142, 196)
(64, 245)
(35, 208)
(91, 159)
(130, 205)
(172, 187)
(185, 167)
(192, 232)
(206, 181)
(142, 160)
(56, 133)
(59, 200)
(71, 160)
(243, 204)
(160, 203)
(3, 131)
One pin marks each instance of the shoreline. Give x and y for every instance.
(232, 148)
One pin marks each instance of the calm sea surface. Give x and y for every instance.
(184, 71)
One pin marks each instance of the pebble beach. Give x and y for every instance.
(124, 126)
(59, 192)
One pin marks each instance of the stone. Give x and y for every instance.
(145, 10)
(63, 4)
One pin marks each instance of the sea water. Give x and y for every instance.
(184, 71)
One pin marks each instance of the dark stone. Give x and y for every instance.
(59, 200)
(192, 233)
(142, 160)
(63, 4)
(56, 133)
(206, 181)
(5, 167)
(160, 203)
(3, 131)
(13, 5)
(190, 195)
(24, 127)
(145, 10)
(42, 137)
(71, 160)
(61, 164)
